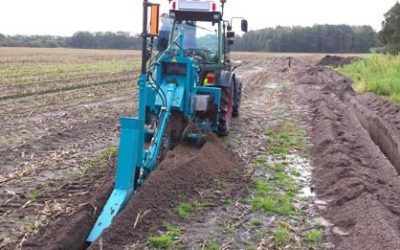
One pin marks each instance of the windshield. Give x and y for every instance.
(200, 39)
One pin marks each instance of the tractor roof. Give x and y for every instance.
(190, 10)
(195, 16)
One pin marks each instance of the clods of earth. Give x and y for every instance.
(309, 164)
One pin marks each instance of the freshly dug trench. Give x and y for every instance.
(355, 148)
(351, 173)
(379, 117)
(70, 232)
(379, 131)
(187, 172)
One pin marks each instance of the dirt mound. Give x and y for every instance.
(336, 61)
(355, 177)
(70, 232)
(186, 171)
(328, 80)
(355, 150)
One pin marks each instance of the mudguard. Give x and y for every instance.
(225, 79)
(237, 95)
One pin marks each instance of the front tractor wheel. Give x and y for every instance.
(225, 117)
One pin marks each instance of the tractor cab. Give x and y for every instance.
(197, 30)
(201, 40)
(205, 36)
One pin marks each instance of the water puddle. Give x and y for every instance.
(276, 85)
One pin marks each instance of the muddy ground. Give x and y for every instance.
(355, 158)
(57, 143)
(305, 140)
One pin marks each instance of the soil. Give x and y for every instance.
(186, 172)
(354, 156)
(354, 138)
(76, 226)
(336, 61)
(50, 130)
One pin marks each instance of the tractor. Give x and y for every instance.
(187, 87)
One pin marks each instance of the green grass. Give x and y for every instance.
(184, 210)
(379, 74)
(286, 182)
(162, 241)
(285, 138)
(278, 203)
(313, 236)
(260, 160)
(165, 240)
(187, 210)
(220, 183)
(111, 152)
(214, 245)
(28, 225)
(172, 230)
(276, 195)
(262, 187)
(230, 230)
(279, 167)
(256, 223)
(33, 194)
(295, 172)
(87, 165)
(282, 236)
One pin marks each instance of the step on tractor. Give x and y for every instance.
(187, 87)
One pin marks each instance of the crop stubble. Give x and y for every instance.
(351, 170)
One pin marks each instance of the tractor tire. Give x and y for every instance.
(173, 133)
(225, 117)
(237, 97)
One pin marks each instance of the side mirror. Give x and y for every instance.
(244, 25)
(230, 34)
(154, 19)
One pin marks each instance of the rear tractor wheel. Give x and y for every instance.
(225, 117)
(237, 97)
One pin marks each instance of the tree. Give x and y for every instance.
(390, 33)
(82, 39)
(3, 39)
(318, 38)
(365, 38)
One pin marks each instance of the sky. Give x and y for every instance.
(64, 17)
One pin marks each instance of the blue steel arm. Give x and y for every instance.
(125, 176)
(131, 156)
(154, 150)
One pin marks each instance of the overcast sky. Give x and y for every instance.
(64, 17)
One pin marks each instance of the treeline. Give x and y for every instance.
(82, 40)
(390, 33)
(318, 38)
